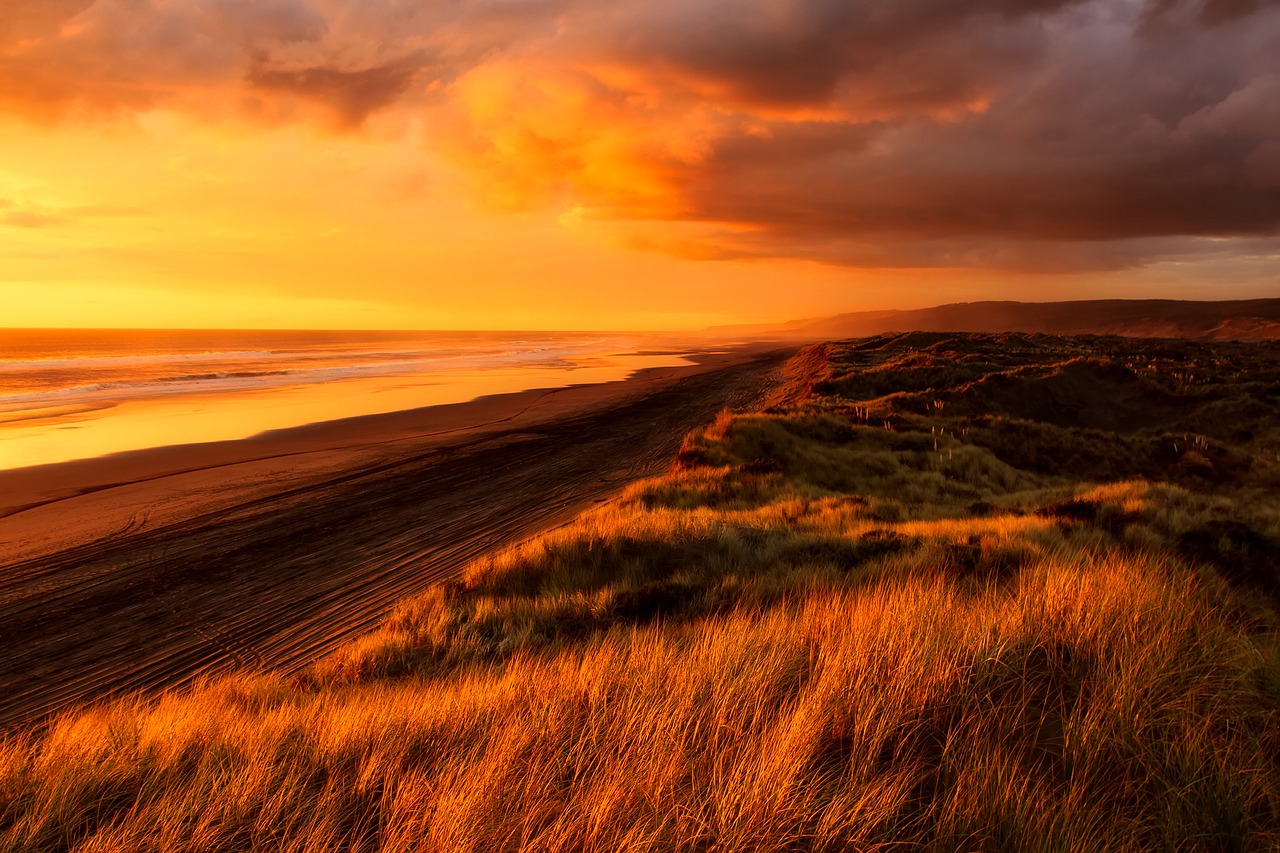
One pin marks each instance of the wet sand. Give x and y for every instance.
(144, 570)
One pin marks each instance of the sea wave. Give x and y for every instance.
(215, 381)
(97, 363)
(90, 362)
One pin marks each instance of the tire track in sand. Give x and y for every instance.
(283, 579)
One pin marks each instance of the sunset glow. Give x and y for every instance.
(647, 425)
(326, 163)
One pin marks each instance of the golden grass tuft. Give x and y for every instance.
(813, 634)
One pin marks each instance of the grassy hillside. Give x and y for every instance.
(956, 592)
(1240, 319)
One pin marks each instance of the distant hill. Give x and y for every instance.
(1251, 319)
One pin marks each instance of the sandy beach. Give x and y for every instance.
(149, 568)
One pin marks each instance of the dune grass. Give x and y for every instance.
(849, 622)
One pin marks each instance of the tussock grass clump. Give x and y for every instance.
(841, 624)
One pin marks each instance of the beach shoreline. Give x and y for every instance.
(302, 449)
(133, 570)
(86, 405)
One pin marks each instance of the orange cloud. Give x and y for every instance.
(1023, 136)
(1007, 134)
(533, 133)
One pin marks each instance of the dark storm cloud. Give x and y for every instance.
(78, 57)
(120, 55)
(792, 53)
(1028, 134)
(352, 95)
(1208, 12)
(1092, 130)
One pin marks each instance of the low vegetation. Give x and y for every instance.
(949, 592)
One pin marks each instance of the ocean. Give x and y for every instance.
(70, 394)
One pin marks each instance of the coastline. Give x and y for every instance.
(32, 497)
(148, 568)
(115, 411)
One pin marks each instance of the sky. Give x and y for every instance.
(631, 164)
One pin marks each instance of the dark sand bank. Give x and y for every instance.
(146, 569)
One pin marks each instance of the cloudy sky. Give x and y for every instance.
(627, 164)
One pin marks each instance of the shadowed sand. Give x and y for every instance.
(146, 569)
